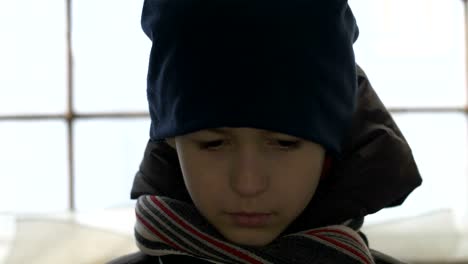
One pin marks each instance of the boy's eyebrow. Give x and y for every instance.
(224, 131)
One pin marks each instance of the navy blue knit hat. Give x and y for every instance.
(281, 65)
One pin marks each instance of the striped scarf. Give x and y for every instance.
(166, 226)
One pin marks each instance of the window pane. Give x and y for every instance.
(33, 70)
(413, 50)
(111, 56)
(33, 167)
(108, 154)
(439, 144)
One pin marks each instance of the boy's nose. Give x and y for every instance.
(248, 178)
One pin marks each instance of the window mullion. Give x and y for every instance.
(70, 117)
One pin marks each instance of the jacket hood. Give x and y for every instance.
(377, 169)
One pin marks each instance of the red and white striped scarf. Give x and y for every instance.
(166, 226)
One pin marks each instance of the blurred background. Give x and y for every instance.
(74, 125)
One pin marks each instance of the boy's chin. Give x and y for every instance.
(249, 236)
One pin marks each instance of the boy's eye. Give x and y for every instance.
(211, 144)
(288, 144)
(283, 144)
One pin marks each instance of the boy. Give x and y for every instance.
(268, 144)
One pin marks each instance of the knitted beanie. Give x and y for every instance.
(282, 65)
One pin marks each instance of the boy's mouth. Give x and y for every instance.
(250, 219)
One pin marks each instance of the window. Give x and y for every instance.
(73, 128)
(414, 53)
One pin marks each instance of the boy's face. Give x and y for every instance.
(250, 184)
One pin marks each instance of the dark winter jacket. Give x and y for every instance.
(377, 171)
